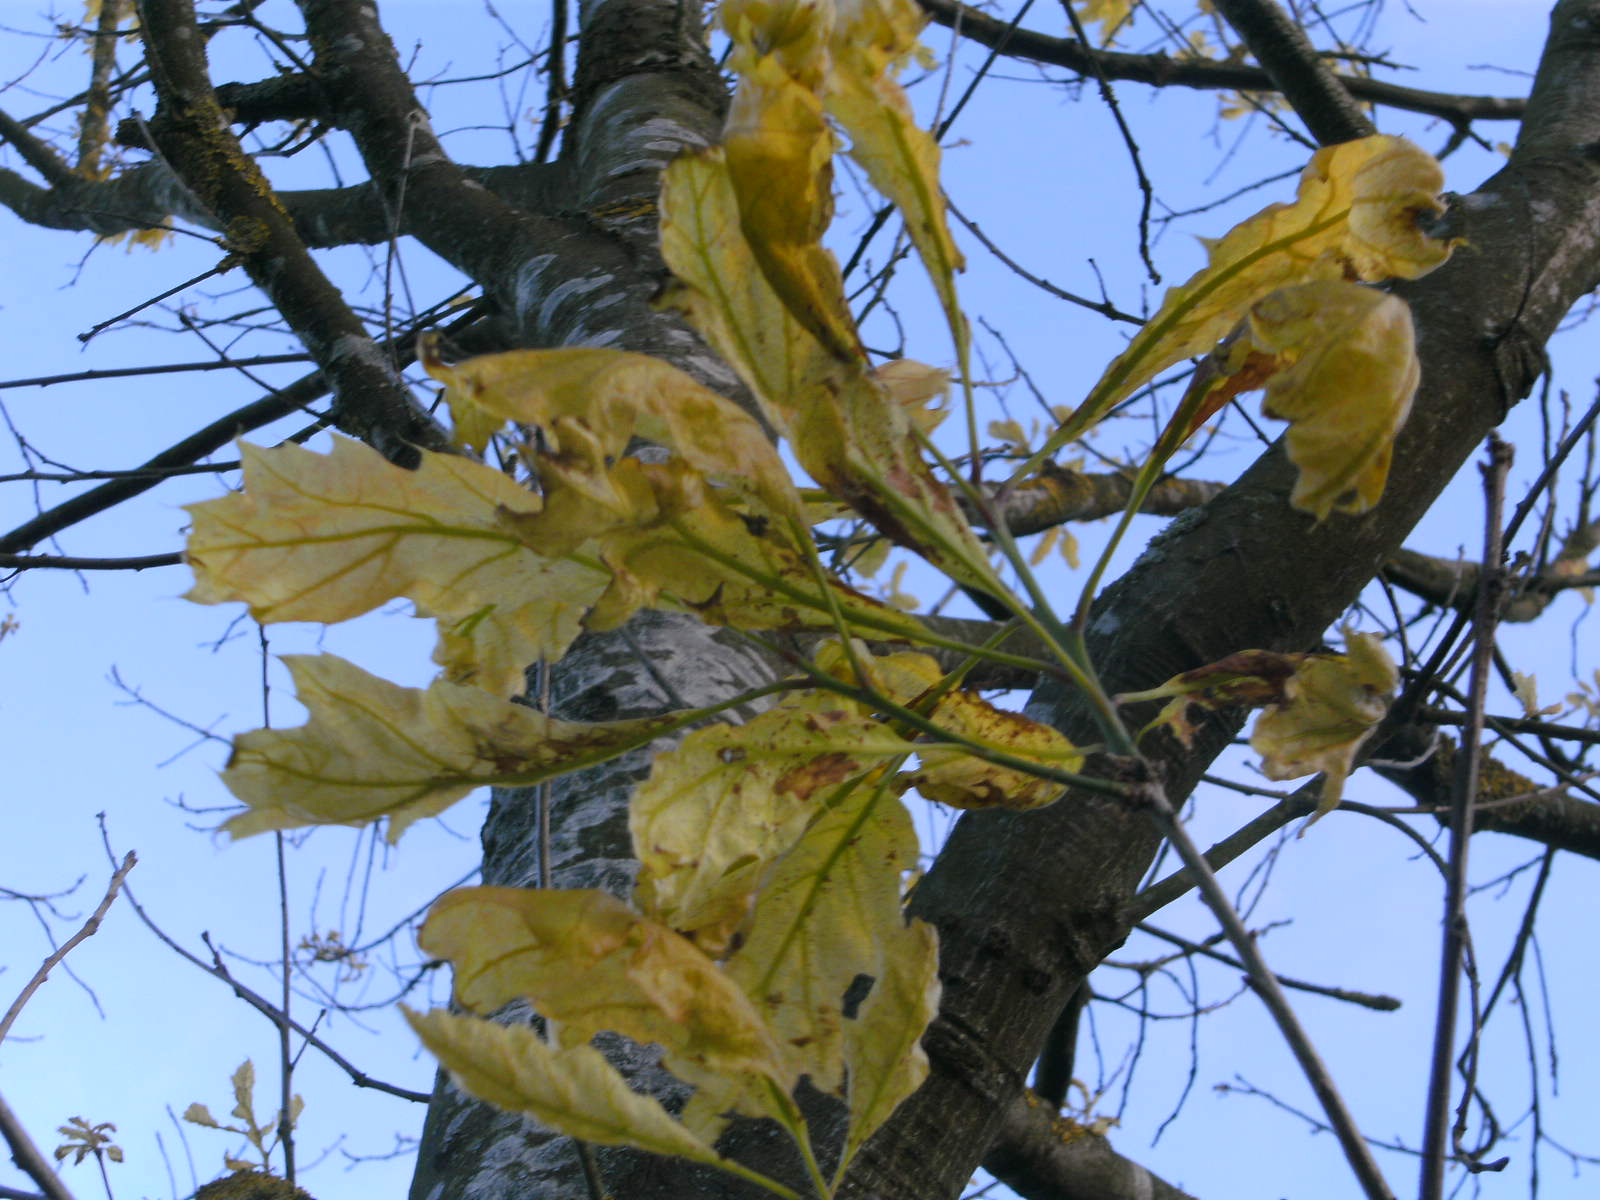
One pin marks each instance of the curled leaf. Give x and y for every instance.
(1331, 706)
(1358, 215)
(1319, 708)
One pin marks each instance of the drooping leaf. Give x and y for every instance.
(374, 749)
(1332, 705)
(1350, 372)
(871, 40)
(719, 810)
(1319, 708)
(849, 434)
(883, 1044)
(573, 1090)
(587, 961)
(724, 293)
(326, 537)
(1356, 216)
(779, 154)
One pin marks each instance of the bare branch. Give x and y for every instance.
(1160, 70)
(67, 562)
(1302, 75)
(87, 930)
(28, 1156)
(370, 400)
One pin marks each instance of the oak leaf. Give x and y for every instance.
(327, 537)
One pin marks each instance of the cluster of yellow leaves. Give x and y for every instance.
(741, 230)
(1319, 709)
(773, 853)
(772, 863)
(772, 857)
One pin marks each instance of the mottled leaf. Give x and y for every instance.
(718, 811)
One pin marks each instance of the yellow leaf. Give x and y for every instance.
(826, 912)
(1110, 15)
(848, 434)
(883, 1045)
(1318, 708)
(871, 39)
(1355, 217)
(959, 778)
(591, 402)
(1348, 373)
(721, 808)
(1526, 690)
(779, 154)
(574, 1091)
(1331, 705)
(317, 537)
(586, 961)
(723, 292)
(199, 1114)
(912, 385)
(955, 775)
(728, 568)
(244, 1085)
(373, 748)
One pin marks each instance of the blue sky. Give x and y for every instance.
(143, 1033)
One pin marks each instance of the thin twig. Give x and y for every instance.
(1356, 1151)
(66, 562)
(1491, 584)
(88, 930)
(260, 360)
(1146, 192)
(217, 970)
(1366, 999)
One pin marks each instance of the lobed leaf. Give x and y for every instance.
(326, 537)
(374, 749)
(590, 403)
